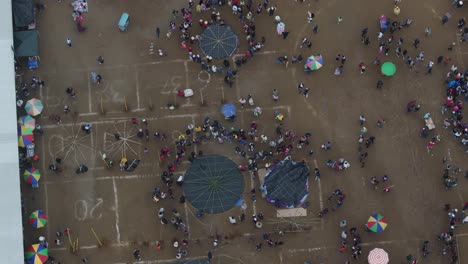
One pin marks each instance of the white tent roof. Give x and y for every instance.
(11, 230)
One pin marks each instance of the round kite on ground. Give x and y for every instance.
(218, 41)
(213, 184)
(388, 69)
(287, 184)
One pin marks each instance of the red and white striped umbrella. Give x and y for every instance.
(378, 256)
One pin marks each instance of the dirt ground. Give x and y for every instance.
(118, 206)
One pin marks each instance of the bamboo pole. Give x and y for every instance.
(97, 238)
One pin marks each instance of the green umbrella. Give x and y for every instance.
(388, 69)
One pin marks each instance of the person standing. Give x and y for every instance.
(430, 64)
(362, 120)
(100, 60)
(69, 42)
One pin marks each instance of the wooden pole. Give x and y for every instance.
(150, 105)
(102, 106)
(69, 239)
(97, 238)
(125, 104)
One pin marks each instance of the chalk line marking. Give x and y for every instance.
(319, 185)
(137, 87)
(459, 52)
(252, 186)
(116, 201)
(46, 195)
(113, 120)
(187, 82)
(458, 251)
(90, 110)
(103, 178)
(187, 219)
(88, 114)
(115, 67)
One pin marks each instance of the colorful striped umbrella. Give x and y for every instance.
(34, 107)
(38, 219)
(27, 121)
(37, 254)
(378, 256)
(32, 176)
(25, 136)
(313, 63)
(376, 223)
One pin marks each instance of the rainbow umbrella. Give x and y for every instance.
(37, 254)
(32, 176)
(25, 136)
(313, 63)
(38, 219)
(34, 107)
(376, 223)
(388, 69)
(27, 121)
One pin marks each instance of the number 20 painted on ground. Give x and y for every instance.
(86, 210)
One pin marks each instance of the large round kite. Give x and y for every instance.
(218, 41)
(213, 184)
(286, 184)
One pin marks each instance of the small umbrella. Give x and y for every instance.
(25, 136)
(34, 107)
(27, 121)
(314, 62)
(376, 223)
(38, 219)
(228, 110)
(388, 69)
(378, 256)
(37, 254)
(32, 176)
(280, 28)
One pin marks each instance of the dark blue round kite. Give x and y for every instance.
(213, 184)
(218, 41)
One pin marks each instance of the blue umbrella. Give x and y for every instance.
(453, 83)
(228, 110)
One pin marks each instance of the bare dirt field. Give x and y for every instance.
(118, 205)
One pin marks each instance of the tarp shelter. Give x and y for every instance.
(213, 184)
(286, 184)
(26, 43)
(23, 13)
(218, 41)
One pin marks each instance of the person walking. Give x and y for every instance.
(317, 174)
(69, 42)
(275, 95)
(379, 84)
